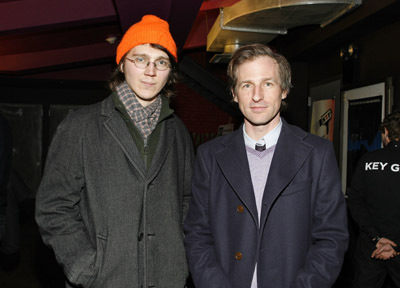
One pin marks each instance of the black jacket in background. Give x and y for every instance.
(374, 194)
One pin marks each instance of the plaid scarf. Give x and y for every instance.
(144, 118)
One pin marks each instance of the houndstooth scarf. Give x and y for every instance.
(144, 118)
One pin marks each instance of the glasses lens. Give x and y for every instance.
(162, 64)
(140, 61)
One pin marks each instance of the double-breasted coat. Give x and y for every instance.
(302, 234)
(111, 221)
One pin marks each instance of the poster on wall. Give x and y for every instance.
(364, 110)
(323, 118)
(324, 111)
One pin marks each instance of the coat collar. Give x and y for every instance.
(290, 154)
(232, 160)
(393, 145)
(116, 126)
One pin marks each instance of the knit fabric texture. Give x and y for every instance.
(150, 30)
(144, 118)
(259, 164)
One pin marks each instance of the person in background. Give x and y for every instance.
(374, 199)
(116, 186)
(267, 208)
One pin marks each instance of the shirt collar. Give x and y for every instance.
(270, 139)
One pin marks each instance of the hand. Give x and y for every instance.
(384, 249)
(384, 241)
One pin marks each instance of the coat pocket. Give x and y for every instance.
(296, 187)
(98, 263)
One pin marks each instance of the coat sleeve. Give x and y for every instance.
(204, 266)
(57, 207)
(329, 232)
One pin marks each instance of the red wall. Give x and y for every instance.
(200, 116)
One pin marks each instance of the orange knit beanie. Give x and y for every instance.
(150, 30)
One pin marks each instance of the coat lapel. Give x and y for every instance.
(232, 160)
(290, 153)
(116, 126)
(164, 145)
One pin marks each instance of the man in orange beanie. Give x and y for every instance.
(116, 185)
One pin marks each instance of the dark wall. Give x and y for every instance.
(296, 112)
(378, 59)
(34, 108)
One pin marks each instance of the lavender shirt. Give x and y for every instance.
(259, 163)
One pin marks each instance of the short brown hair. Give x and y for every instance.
(253, 51)
(392, 124)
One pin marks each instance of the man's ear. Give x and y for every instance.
(234, 96)
(121, 67)
(385, 136)
(386, 133)
(284, 94)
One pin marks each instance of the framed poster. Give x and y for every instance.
(363, 111)
(322, 118)
(324, 114)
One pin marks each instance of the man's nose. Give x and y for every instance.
(258, 94)
(150, 69)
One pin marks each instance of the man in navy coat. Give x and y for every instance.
(267, 208)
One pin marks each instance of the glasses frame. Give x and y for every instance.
(148, 63)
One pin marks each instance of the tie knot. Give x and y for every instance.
(260, 147)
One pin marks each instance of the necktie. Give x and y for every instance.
(260, 147)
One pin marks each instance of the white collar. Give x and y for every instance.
(270, 139)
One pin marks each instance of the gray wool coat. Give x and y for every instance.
(110, 221)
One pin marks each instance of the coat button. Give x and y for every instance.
(240, 209)
(238, 256)
(140, 237)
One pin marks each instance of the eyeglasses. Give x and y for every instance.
(142, 62)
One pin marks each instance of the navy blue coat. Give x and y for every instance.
(303, 228)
